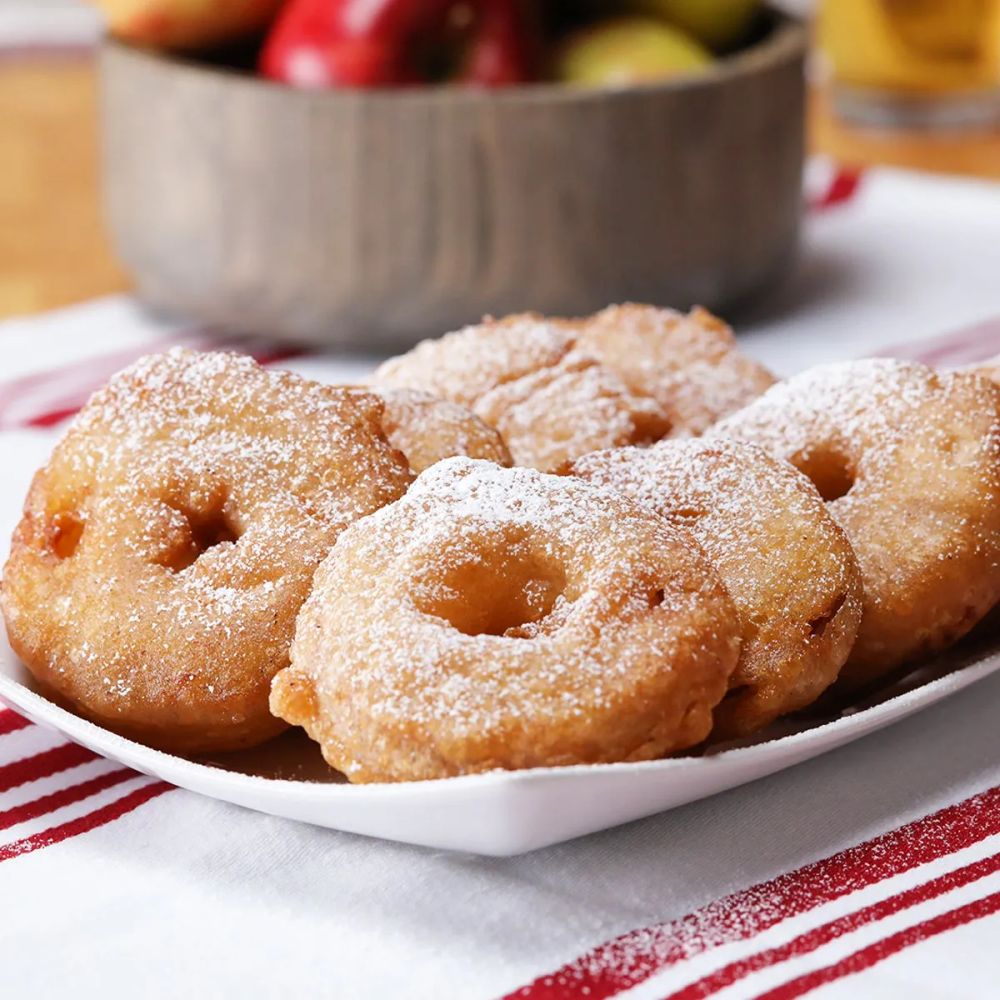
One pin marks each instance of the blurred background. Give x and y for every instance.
(270, 178)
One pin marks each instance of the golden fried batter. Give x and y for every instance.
(909, 462)
(689, 364)
(788, 567)
(520, 375)
(556, 389)
(555, 414)
(465, 365)
(498, 618)
(168, 544)
(427, 429)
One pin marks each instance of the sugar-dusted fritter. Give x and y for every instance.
(520, 375)
(788, 567)
(689, 363)
(427, 429)
(503, 618)
(463, 366)
(168, 544)
(556, 389)
(909, 462)
(574, 407)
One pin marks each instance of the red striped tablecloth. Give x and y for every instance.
(872, 871)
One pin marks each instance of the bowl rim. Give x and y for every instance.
(787, 40)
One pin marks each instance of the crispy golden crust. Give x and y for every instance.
(558, 413)
(500, 618)
(427, 429)
(689, 363)
(166, 547)
(910, 464)
(788, 567)
(557, 389)
(520, 375)
(465, 365)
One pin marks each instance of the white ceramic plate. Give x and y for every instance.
(500, 813)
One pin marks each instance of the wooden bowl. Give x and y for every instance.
(370, 219)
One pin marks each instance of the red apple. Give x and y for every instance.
(379, 43)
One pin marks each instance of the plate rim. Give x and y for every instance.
(857, 725)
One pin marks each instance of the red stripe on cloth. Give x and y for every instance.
(960, 347)
(632, 958)
(865, 958)
(73, 385)
(64, 797)
(11, 722)
(276, 356)
(43, 764)
(843, 186)
(52, 417)
(83, 824)
(68, 385)
(806, 943)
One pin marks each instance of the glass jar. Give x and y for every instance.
(913, 63)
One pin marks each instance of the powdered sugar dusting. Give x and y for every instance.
(427, 429)
(574, 407)
(855, 400)
(558, 388)
(787, 566)
(633, 958)
(205, 490)
(911, 464)
(689, 363)
(464, 365)
(510, 619)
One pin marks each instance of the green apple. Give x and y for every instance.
(719, 24)
(628, 50)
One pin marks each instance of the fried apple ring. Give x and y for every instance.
(788, 567)
(557, 389)
(168, 544)
(427, 429)
(909, 462)
(465, 365)
(689, 364)
(574, 407)
(497, 618)
(521, 376)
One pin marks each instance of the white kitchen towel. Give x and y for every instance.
(874, 870)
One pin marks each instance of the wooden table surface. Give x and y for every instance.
(53, 248)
